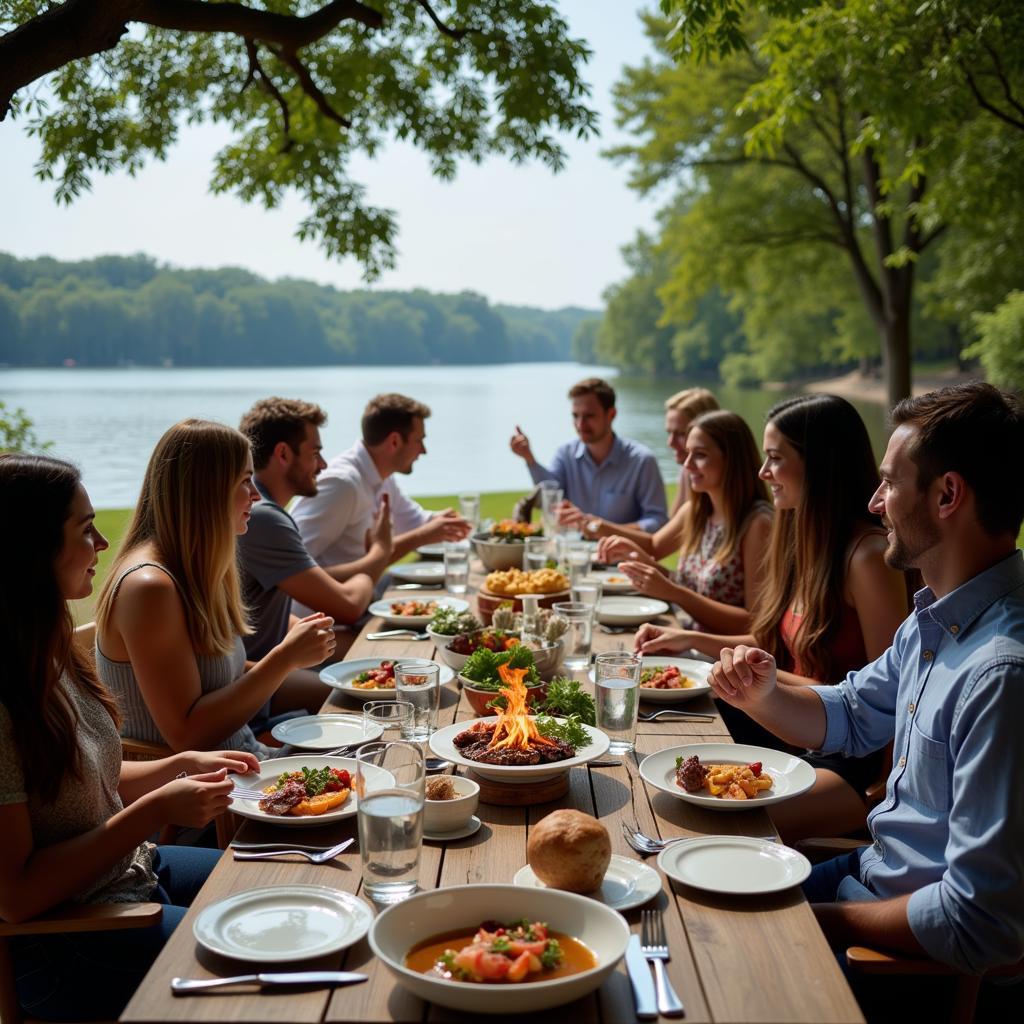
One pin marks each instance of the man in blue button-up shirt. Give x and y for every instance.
(945, 874)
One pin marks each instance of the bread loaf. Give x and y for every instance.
(569, 850)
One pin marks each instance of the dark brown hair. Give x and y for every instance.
(387, 414)
(37, 628)
(600, 389)
(273, 420)
(976, 430)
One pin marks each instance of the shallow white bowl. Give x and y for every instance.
(451, 815)
(399, 928)
(498, 555)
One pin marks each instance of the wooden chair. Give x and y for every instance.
(85, 918)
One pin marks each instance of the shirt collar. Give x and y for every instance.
(580, 451)
(264, 493)
(367, 467)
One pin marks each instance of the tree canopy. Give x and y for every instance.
(303, 85)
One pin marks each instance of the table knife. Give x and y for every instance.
(182, 986)
(641, 980)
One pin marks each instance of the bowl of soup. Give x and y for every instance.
(432, 944)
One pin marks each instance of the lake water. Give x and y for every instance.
(107, 420)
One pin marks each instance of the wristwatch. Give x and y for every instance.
(592, 527)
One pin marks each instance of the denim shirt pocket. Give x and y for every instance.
(926, 779)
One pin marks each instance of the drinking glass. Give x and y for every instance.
(588, 591)
(418, 682)
(578, 557)
(390, 777)
(536, 551)
(391, 715)
(577, 637)
(469, 508)
(550, 498)
(617, 686)
(456, 567)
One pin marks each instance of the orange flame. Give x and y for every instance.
(515, 727)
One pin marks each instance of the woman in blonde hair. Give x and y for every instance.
(681, 409)
(720, 531)
(170, 619)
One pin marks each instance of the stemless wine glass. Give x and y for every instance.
(390, 781)
(617, 687)
(418, 681)
(577, 638)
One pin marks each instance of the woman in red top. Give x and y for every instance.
(829, 603)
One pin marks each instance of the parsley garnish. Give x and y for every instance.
(552, 955)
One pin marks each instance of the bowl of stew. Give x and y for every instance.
(432, 945)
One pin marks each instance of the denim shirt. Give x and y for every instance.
(949, 831)
(625, 488)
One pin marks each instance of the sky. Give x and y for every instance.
(518, 235)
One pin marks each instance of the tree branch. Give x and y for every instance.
(309, 87)
(1003, 80)
(451, 33)
(984, 103)
(268, 86)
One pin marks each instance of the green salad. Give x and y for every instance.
(448, 622)
(481, 667)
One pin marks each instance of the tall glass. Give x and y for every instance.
(536, 551)
(393, 716)
(469, 508)
(418, 682)
(588, 591)
(390, 779)
(577, 638)
(456, 567)
(617, 687)
(550, 499)
(578, 557)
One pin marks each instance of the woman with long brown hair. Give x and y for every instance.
(720, 531)
(170, 619)
(829, 603)
(74, 817)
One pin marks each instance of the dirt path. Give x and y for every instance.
(871, 389)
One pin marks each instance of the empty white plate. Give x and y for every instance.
(283, 922)
(418, 572)
(324, 732)
(431, 551)
(629, 611)
(736, 865)
(627, 883)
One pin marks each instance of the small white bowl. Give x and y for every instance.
(451, 815)
(497, 555)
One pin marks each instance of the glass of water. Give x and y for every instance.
(577, 637)
(392, 716)
(550, 498)
(617, 686)
(588, 591)
(418, 683)
(536, 551)
(578, 557)
(469, 508)
(456, 567)
(390, 779)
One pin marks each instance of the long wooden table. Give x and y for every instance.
(734, 959)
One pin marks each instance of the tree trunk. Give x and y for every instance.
(896, 358)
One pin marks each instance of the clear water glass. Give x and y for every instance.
(588, 591)
(469, 508)
(550, 498)
(390, 780)
(578, 557)
(391, 715)
(418, 683)
(456, 567)
(577, 638)
(617, 688)
(536, 552)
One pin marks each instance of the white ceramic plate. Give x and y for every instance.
(442, 745)
(737, 865)
(790, 775)
(431, 551)
(383, 609)
(629, 611)
(418, 572)
(469, 829)
(340, 677)
(627, 883)
(270, 770)
(323, 732)
(283, 922)
(696, 670)
(612, 581)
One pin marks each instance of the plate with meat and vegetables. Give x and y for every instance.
(370, 678)
(414, 612)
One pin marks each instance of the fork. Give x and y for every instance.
(654, 947)
(645, 844)
(391, 634)
(314, 858)
(653, 716)
(617, 629)
(241, 793)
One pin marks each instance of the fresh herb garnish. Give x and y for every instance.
(481, 667)
(500, 945)
(448, 622)
(570, 730)
(552, 955)
(566, 697)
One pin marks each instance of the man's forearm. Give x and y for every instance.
(880, 924)
(373, 563)
(794, 714)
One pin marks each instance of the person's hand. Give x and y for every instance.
(310, 641)
(650, 638)
(743, 675)
(379, 533)
(614, 549)
(201, 762)
(446, 525)
(195, 801)
(569, 515)
(649, 579)
(520, 445)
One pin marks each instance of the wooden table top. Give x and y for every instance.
(734, 959)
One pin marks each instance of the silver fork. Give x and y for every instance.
(654, 946)
(645, 844)
(314, 858)
(653, 716)
(391, 634)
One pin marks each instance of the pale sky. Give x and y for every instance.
(514, 234)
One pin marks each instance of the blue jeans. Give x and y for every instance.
(822, 885)
(91, 975)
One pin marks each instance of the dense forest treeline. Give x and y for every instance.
(121, 310)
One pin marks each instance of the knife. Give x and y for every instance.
(641, 980)
(182, 986)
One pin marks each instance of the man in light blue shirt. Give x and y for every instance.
(945, 874)
(602, 476)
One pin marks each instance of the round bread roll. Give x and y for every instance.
(569, 850)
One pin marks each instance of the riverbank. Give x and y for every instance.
(858, 387)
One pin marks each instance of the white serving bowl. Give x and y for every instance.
(451, 815)
(546, 658)
(399, 928)
(499, 554)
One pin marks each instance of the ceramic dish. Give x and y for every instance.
(341, 675)
(431, 551)
(452, 815)
(498, 554)
(627, 883)
(324, 732)
(442, 745)
(469, 829)
(696, 670)
(790, 775)
(418, 572)
(401, 927)
(629, 611)
(283, 922)
(383, 609)
(736, 865)
(612, 581)
(269, 772)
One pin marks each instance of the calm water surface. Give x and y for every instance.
(107, 421)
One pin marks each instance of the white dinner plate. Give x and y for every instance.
(340, 676)
(418, 572)
(736, 865)
(696, 670)
(280, 923)
(627, 883)
(790, 775)
(612, 581)
(324, 732)
(629, 611)
(431, 551)
(441, 742)
(383, 609)
(269, 772)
